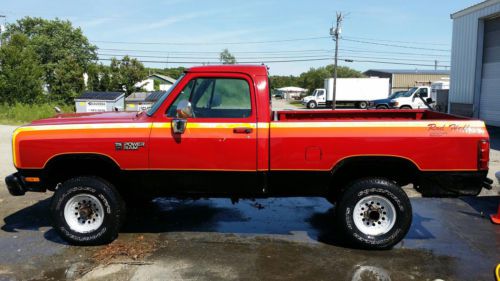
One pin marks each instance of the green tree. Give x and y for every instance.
(315, 77)
(226, 57)
(20, 71)
(57, 42)
(68, 80)
(125, 73)
(284, 81)
(174, 72)
(156, 85)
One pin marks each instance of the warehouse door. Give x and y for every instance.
(489, 110)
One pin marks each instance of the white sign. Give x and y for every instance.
(96, 106)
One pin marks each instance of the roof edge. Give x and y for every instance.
(473, 8)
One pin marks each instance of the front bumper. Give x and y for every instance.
(15, 185)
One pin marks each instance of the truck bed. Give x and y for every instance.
(320, 139)
(368, 115)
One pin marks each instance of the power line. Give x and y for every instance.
(346, 59)
(393, 45)
(347, 38)
(259, 57)
(393, 53)
(275, 52)
(397, 41)
(211, 43)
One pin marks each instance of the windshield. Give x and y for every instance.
(160, 101)
(396, 94)
(409, 93)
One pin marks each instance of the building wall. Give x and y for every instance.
(138, 106)
(120, 104)
(406, 81)
(466, 59)
(99, 105)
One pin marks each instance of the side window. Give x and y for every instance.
(184, 95)
(216, 98)
(423, 92)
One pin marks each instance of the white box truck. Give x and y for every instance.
(350, 91)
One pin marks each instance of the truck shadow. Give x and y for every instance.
(298, 219)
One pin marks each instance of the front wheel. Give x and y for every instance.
(312, 105)
(374, 213)
(405, 107)
(87, 211)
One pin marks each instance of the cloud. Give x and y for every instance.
(166, 22)
(94, 22)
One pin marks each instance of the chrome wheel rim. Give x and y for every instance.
(84, 213)
(374, 215)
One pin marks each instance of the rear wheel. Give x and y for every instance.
(362, 104)
(312, 105)
(405, 107)
(87, 211)
(374, 213)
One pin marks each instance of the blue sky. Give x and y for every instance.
(190, 30)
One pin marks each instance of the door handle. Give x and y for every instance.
(242, 130)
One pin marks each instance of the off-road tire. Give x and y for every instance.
(359, 189)
(114, 210)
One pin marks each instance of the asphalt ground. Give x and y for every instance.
(267, 239)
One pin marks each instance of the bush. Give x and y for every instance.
(24, 113)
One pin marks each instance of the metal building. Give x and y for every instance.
(141, 101)
(404, 79)
(475, 62)
(100, 101)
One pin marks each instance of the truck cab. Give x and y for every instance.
(413, 99)
(317, 98)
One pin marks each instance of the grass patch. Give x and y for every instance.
(296, 103)
(18, 114)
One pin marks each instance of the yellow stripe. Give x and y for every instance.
(370, 124)
(85, 126)
(200, 125)
(14, 135)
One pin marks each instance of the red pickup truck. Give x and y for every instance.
(213, 134)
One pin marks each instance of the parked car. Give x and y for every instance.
(279, 95)
(213, 134)
(385, 103)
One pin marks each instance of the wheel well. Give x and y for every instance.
(63, 167)
(400, 170)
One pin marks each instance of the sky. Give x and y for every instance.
(289, 36)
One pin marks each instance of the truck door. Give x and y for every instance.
(424, 94)
(217, 151)
(321, 97)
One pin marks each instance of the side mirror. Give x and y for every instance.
(179, 126)
(184, 109)
(429, 101)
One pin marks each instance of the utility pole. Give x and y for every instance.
(335, 33)
(2, 28)
(435, 64)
